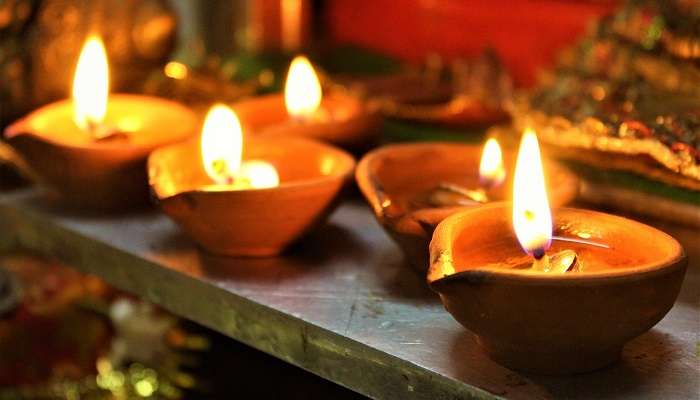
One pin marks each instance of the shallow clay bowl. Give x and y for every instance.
(353, 125)
(260, 222)
(393, 177)
(412, 96)
(100, 175)
(456, 113)
(554, 323)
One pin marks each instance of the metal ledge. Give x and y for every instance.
(342, 305)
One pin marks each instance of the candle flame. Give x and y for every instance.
(221, 144)
(222, 150)
(91, 84)
(532, 218)
(491, 170)
(302, 90)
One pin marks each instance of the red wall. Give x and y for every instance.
(525, 33)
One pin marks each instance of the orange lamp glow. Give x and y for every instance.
(222, 149)
(302, 90)
(532, 218)
(91, 85)
(491, 169)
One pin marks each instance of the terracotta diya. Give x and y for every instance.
(92, 150)
(460, 94)
(413, 187)
(247, 199)
(303, 110)
(585, 284)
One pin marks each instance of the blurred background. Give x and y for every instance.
(408, 59)
(244, 40)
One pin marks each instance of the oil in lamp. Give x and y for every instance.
(240, 195)
(91, 150)
(305, 110)
(412, 187)
(552, 293)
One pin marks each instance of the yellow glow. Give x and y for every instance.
(145, 388)
(176, 70)
(532, 218)
(91, 84)
(222, 148)
(491, 169)
(130, 123)
(221, 144)
(302, 90)
(327, 165)
(259, 174)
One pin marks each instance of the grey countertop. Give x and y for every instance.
(342, 304)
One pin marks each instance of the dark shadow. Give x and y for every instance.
(647, 362)
(175, 240)
(328, 245)
(472, 365)
(236, 371)
(42, 200)
(10, 180)
(400, 280)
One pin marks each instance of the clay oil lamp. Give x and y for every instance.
(247, 198)
(304, 110)
(413, 187)
(552, 294)
(91, 150)
(462, 94)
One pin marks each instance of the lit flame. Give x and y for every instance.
(91, 84)
(491, 169)
(302, 90)
(222, 144)
(532, 218)
(222, 148)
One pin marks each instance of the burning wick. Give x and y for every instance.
(224, 176)
(492, 173)
(222, 148)
(532, 217)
